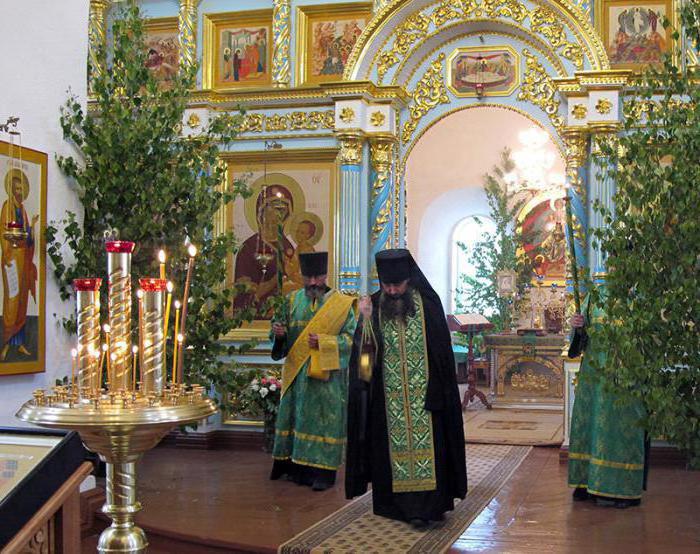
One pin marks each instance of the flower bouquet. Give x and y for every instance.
(264, 393)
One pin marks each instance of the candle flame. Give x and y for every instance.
(180, 338)
(177, 304)
(192, 250)
(134, 349)
(112, 356)
(106, 328)
(170, 286)
(74, 353)
(139, 293)
(161, 256)
(104, 348)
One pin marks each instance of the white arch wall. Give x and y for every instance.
(444, 181)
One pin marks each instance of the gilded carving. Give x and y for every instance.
(545, 22)
(381, 156)
(411, 30)
(347, 114)
(193, 121)
(280, 48)
(579, 111)
(429, 92)
(603, 106)
(277, 122)
(445, 12)
(538, 88)
(575, 153)
(97, 39)
(379, 5)
(550, 25)
(188, 24)
(252, 123)
(506, 8)
(377, 119)
(350, 149)
(310, 121)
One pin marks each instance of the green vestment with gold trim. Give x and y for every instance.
(310, 426)
(606, 447)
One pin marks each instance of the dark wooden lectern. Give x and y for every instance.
(470, 325)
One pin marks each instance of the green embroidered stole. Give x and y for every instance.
(409, 424)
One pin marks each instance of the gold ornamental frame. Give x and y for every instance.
(474, 49)
(306, 16)
(39, 364)
(276, 161)
(212, 24)
(602, 26)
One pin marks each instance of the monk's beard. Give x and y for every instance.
(314, 292)
(399, 306)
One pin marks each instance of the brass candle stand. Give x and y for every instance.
(120, 426)
(129, 416)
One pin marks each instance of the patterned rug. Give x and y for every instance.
(514, 426)
(354, 528)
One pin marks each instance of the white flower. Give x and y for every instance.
(254, 382)
(263, 392)
(273, 387)
(255, 387)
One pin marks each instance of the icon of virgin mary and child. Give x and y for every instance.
(256, 262)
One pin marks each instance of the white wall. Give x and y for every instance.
(44, 53)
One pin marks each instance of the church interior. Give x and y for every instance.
(212, 206)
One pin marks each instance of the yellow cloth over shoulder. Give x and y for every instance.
(327, 323)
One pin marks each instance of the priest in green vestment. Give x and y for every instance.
(405, 433)
(606, 447)
(315, 342)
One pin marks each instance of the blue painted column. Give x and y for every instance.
(381, 216)
(576, 143)
(601, 189)
(349, 214)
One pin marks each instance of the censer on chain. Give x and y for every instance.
(368, 351)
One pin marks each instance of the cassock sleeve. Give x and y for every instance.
(357, 463)
(442, 378)
(579, 337)
(280, 345)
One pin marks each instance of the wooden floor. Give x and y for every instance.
(223, 499)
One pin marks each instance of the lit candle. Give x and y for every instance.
(98, 371)
(112, 358)
(102, 365)
(74, 358)
(169, 287)
(134, 354)
(161, 261)
(192, 251)
(139, 295)
(107, 347)
(175, 344)
(119, 270)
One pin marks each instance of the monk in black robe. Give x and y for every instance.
(405, 432)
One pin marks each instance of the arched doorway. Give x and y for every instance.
(444, 178)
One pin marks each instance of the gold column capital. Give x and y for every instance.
(381, 150)
(603, 134)
(351, 148)
(575, 142)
